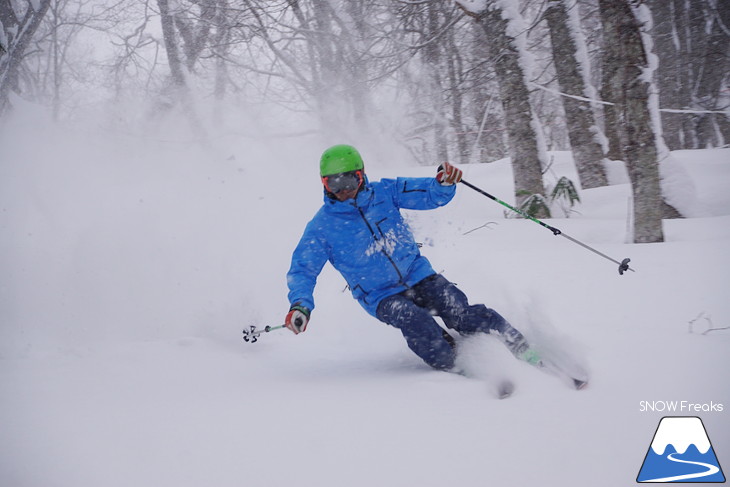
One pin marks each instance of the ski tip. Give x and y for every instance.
(580, 384)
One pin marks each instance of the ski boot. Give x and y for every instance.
(517, 344)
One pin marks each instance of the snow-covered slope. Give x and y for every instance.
(129, 268)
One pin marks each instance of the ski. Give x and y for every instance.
(568, 379)
(519, 347)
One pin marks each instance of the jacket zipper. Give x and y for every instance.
(375, 236)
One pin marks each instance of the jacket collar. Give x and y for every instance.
(363, 199)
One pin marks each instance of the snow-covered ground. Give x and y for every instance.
(129, 267)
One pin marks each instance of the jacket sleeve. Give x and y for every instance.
(308, 259)
(420, 193)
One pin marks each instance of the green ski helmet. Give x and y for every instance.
(338, 159)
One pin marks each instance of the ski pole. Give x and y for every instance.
(252, 334)
(623, 266)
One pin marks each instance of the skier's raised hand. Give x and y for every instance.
(448, 174)
(297, 319)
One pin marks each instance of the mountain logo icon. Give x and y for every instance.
(681, 452)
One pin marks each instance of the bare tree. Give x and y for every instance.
(424, 31)
(573, 78)
(713, 75)
(671, 74)
(18, 25)
(432, 59)
(186, 31)
(483, 102)
(316, 49)
(172, 44)
(611, 115)
(427, 29)
(522, 125)
(691, 39)
(57, 69)
(624, 63)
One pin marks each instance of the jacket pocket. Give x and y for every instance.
(359, 293)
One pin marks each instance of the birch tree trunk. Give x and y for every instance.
(669, 74)
(712, 75)
(692, 27)
(482, 99)
(524, 149)
(583, 131)
(627, 59)
(432, 58)
(611, 92)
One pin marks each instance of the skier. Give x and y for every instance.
(361, 232)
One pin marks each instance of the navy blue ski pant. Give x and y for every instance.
(412, 312)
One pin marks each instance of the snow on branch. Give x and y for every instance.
(473, 6)
(710, 326)
(594, 100)
(558, 92)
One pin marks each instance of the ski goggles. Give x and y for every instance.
(345, 181)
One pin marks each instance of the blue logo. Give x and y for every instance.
(681, 452)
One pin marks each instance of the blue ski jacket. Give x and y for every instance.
(367, 241)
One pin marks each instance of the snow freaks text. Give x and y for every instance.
(680, 407)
